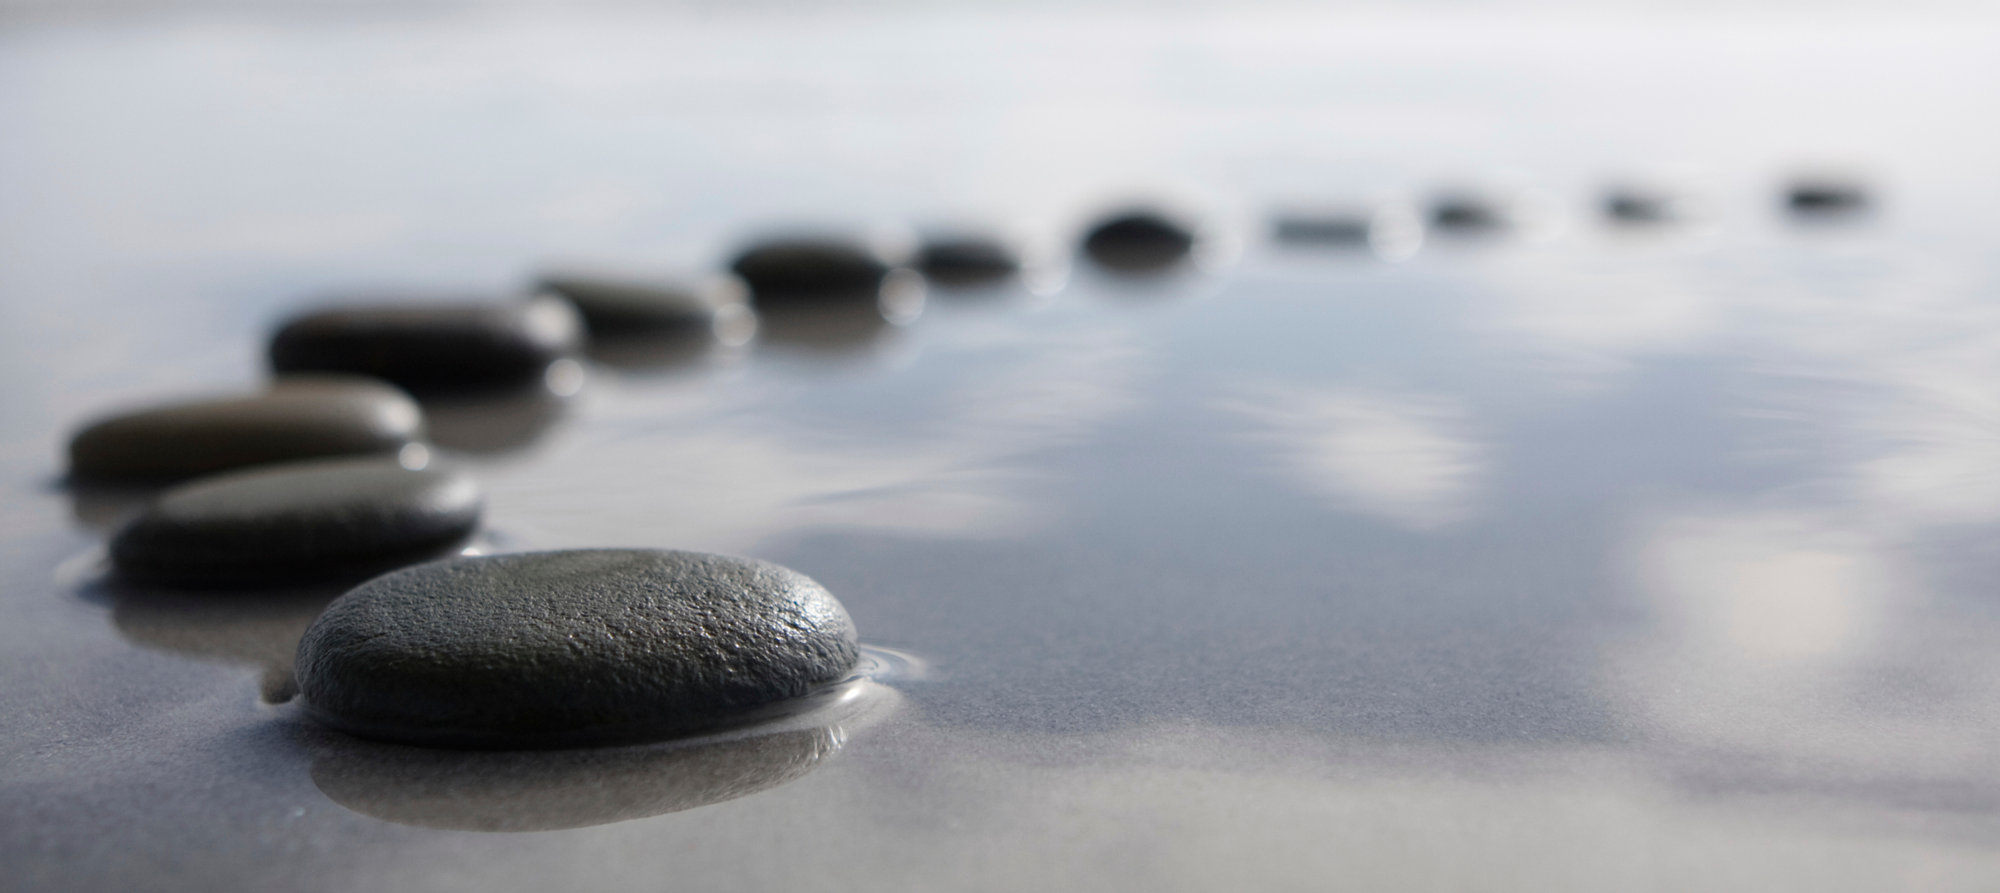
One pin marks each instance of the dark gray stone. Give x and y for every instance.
(1138, 242)
(1632, 205)
(301, 417)
(967, 261)
(431, 346)
(1322, 230)
(1826, 196)
(811, 270)
(617, 307)
(1467, 214)
(555, 649)
(297, 521)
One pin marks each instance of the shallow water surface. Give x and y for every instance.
(1569, 556)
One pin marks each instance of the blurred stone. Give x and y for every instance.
(1826, 195)
(1138, 242)
(297, 521)
(967, 261)
(299, 417)
(810, 270)
(430, 346)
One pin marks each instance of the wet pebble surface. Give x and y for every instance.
(554, 649)
(301, 417)
(427, 346)
(297, 521)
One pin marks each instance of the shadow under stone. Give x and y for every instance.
(494, 421)
(252, 627)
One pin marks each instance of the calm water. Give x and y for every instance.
(1574, 559)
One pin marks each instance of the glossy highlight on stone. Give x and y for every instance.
(438, 345)
(558, 649)
(299, 417)
(297, 521)
(1138, 242)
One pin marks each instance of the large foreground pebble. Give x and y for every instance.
(553, 649)
(1138, 242)
(298, 418)
(424, 346)
(297, 521)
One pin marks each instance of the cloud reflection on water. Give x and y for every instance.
(721, 464)
(1401, 458)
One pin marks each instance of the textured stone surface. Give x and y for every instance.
(297, 521)
(810, 270)
(300, 417)
(967, 261)
(554, 649)
(424, 346)
(1138, 242)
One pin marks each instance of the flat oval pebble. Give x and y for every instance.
(1826, 195)
(966, 261)
(619, 307)
(1467, 213)
(810, 270)
(556, 649)
(301, 417)
(454, 345)
(297, 521)
(1138, 241)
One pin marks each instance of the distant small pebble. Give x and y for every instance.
(300, 417)
(1825, 196)
(296, 522)
(424, 346)
(810, 270)
(556, 649)
(966, 261)
(1467, 213)
(1138, 242)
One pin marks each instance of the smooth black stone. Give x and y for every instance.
(1138, 242)
(428, 346)
(811, 271)
(966, 261)
(298, 521)
(618, 308)
(1466, 214)
(302, 417)
(556, 649)
(1825, 197)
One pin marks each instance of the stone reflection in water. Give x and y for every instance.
(502, 420)
(844, 325)
(102, 505)
(557, 789)
(254, 627)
